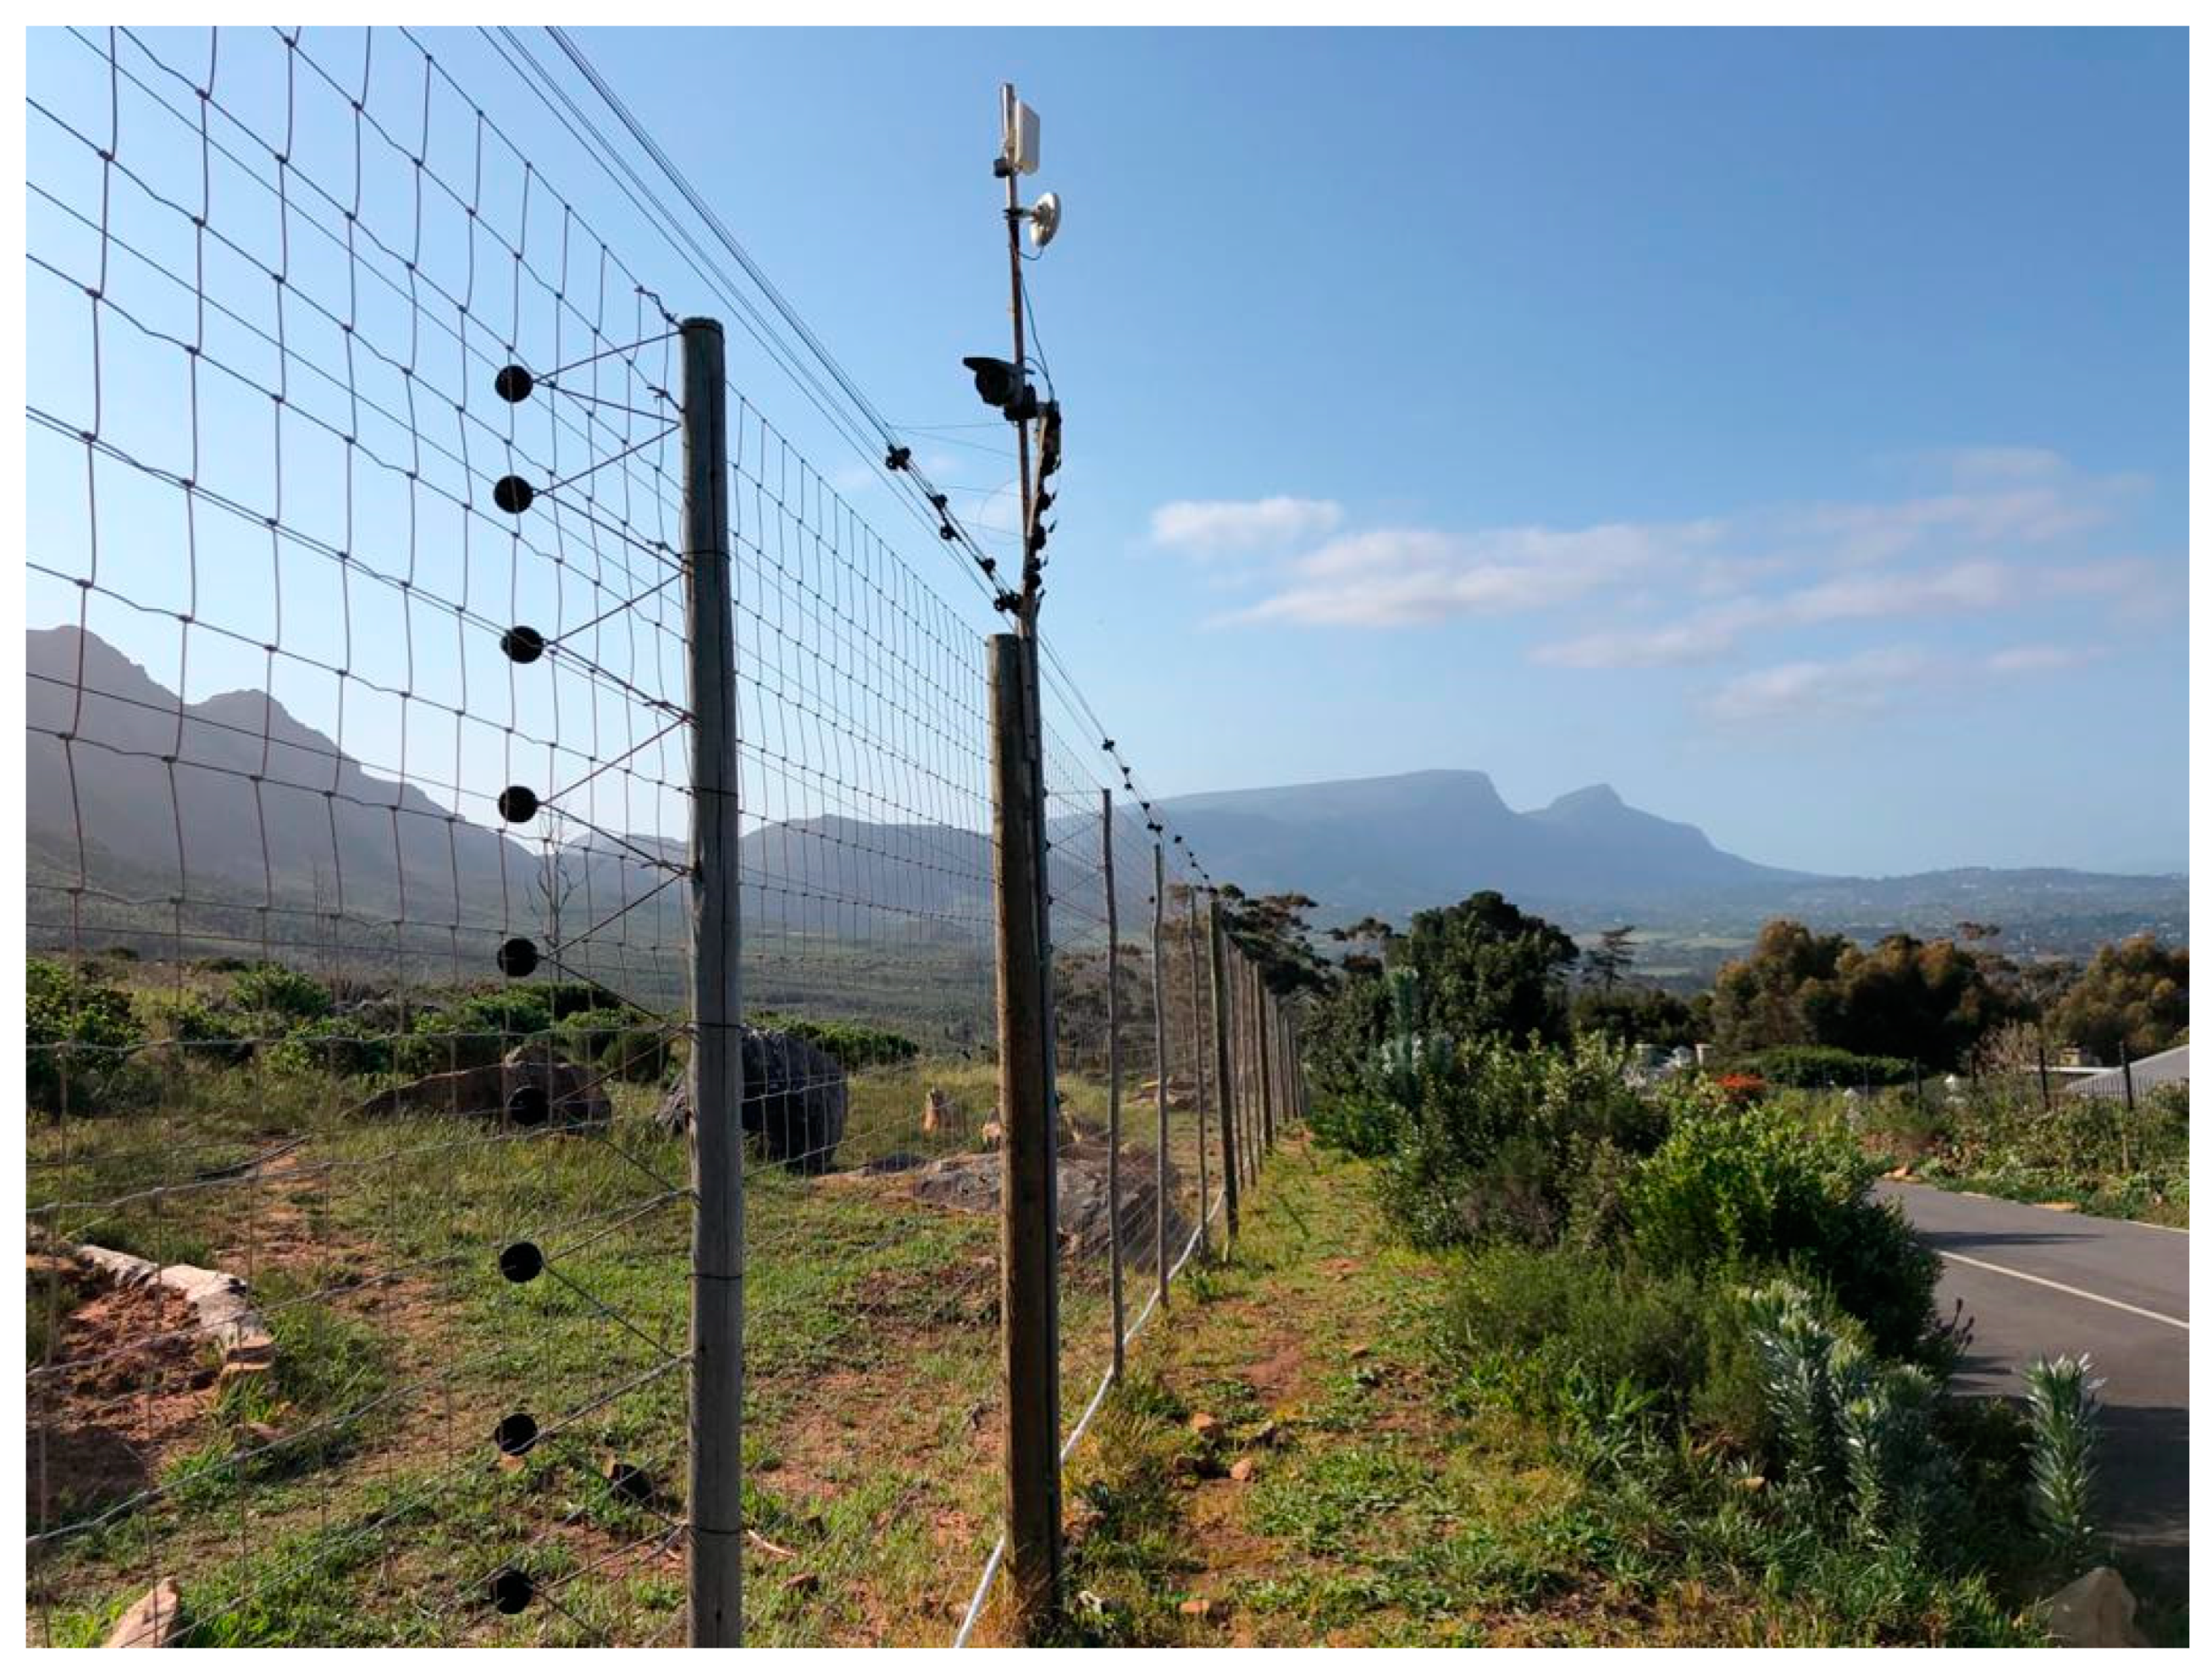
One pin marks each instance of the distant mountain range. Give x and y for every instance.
(1389, 846)
(253, 807)
(1393, 845)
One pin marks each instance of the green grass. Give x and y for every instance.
(381, 1508)
(1383, 1507)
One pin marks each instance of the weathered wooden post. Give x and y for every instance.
(1113, 1073)
(1160, 1075)
(1262, 1035)
(1028, 1241)
(1222, 1077)
(715, 1614)
(1198, 1057)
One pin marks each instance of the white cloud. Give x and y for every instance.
(2041, 658)
(1230, 528)
(1976, 586)
(1857, 685)
(1871, 680)
(1389, 578)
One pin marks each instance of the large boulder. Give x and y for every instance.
(533, 1086)
(794, 1099)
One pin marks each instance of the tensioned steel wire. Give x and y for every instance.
(359, 762)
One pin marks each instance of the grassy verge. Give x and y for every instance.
(1316, 1465)
(370, 1505)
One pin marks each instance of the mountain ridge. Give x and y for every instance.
(260, 798)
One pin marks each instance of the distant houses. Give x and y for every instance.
(2166, 1069)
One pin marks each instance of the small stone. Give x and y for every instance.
(1204, 1426)
(150, 1623)
(1360, 1351)
(2096, 1612)
(1751, 1485)
(1242, 1470)
(2063, 1206)
(1201, 1610)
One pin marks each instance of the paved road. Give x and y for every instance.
(2044, 1282)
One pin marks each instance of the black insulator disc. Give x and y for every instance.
(518, 802)
(945, 532)
(898, 459)
(512, 494)
(522, 644)
(513, 382)
(527, 1107)
(512, 1591)
(517, 957)
(518, 1264)
(516, 1433)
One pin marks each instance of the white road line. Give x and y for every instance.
(2053, 1284)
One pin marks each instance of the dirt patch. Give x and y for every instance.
(126, 1387)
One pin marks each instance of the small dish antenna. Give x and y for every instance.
(1044, 219)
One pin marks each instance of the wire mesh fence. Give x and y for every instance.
(357, 797)
(360, 819)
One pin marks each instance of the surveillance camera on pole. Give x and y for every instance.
(1000, 384)
(1004, 384)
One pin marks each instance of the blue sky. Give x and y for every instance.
(1788, 428)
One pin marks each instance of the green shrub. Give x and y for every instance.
(622, 1038)
(211, 1032)
(281, 990)
(1355, 1124)
(79, 1036)
(334, 1046)
(1340, 1032)
(1823, 1066)
(474, 1031)
(1739, 1189)
(854, 1046)
(1502, 1137)
(1531, 1327)
(2062, 1407)
(1855, 1434)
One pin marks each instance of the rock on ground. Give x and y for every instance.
(219, 1302)
(149, 1624)
(2096, 1612)
(533, 1086)
(794, 1099)
(970, 1182)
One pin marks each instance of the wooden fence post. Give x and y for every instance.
(1198, 1057)
(1160, 1075)
(715, 1613)
(1261, 1031)
(1219, 960)
(1113, 1073)
(1028, 1241)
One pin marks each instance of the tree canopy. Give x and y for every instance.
(1928, 1002)
(2134, 993)
(1489, 968)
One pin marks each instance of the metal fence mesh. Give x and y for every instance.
(359, 817)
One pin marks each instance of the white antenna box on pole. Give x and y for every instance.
(1018, 132)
